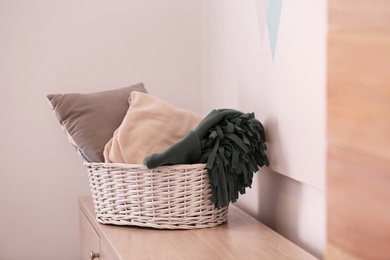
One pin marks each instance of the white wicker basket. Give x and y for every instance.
(167, 197)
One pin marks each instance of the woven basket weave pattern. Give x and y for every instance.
(167, 197)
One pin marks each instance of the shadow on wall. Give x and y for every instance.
(273, 200)
(274, 146)
(288, 206)
(292, 210)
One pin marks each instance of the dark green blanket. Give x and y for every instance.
(231, 143)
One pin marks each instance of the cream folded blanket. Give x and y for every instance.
(151, 125)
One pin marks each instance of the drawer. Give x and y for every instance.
(90, 240)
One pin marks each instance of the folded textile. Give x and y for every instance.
(150, 125)
(230, 142)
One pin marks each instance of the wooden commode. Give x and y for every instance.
(241, 237)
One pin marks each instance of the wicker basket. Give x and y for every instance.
(168, 197)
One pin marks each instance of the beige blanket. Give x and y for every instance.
(151, 125)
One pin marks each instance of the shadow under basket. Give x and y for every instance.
(167, 197)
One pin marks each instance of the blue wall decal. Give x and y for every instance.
(273, 18)
(268, 12)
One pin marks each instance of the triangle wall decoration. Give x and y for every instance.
(268, 13)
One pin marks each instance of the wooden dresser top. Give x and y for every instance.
(241, 237)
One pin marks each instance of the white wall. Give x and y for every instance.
(76, 46)
(287, 94)
(178, 49)
(289, 85)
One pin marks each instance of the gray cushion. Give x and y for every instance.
(90, 120)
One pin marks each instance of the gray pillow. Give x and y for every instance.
(89, 120)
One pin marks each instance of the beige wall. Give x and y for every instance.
(76, 46)
(287, 94)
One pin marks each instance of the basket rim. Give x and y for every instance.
(142, 166)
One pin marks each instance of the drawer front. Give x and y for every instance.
(107, 252)
(90, 240)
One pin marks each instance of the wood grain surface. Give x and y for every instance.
(242, 237)
(358, 127)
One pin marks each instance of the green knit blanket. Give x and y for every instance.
(231, 143)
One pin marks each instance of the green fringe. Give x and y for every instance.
(233, 150)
